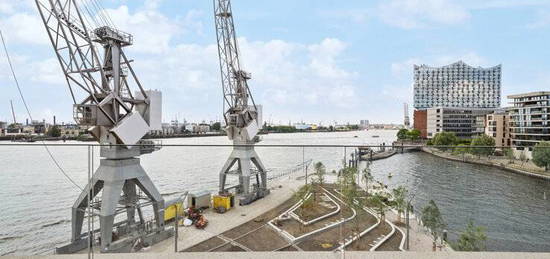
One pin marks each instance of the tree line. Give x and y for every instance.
(484, 145)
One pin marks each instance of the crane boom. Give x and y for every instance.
(13, 113)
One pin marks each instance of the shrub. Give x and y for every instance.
(445, 139)
(541, 155)
(479, 145)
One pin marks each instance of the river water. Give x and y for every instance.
(35, 198)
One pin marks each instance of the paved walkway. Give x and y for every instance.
(219, 223)
(303, 255)
(420, 240)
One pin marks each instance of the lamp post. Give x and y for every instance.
(407, 211)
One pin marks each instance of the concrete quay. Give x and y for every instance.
(302, 255)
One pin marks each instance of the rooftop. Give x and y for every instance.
(457, 64)
(531, 94)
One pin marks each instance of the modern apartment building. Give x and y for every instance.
(529, 120)
(457, 85)
(463, 122)
(364, 124)
(497, 126)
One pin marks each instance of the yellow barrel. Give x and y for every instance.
(170, 211)
(225, 201)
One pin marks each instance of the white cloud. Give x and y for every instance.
(46, 72)
(6, 7)
(355, 15)
(492, 4)
(542, 20)
(287, 76)
(152, 31)
(405, 67)
(323, 58)
(24, 28)
(409, 14)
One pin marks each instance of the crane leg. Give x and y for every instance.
(130, 197)
(147, 186)
(109, 202)
(244, 178)
(225, 169)
(80, 206)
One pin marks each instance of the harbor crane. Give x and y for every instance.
(90, 51)
(13, 113)
(242, 116)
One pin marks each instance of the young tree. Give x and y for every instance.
(320, 172)
(509, 153)
(461, 149)
(319, 178)
(433, 220)
(483, 145)
(472, 239)
(413, 134)
(302, 196)
(377, 202)
(367, 177)
(54, 131)
(541, 155)
(402, 134)
(216, 126)
(400, 200)
(445, 139)
(353, 201)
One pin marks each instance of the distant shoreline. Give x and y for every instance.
(220, 134)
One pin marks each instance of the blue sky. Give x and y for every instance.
(317, 61)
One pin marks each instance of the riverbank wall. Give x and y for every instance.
(486, 163)
(303, 255)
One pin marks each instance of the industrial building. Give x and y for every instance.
(364, 124)
(461, 121)
(457, 85)
(529, 121)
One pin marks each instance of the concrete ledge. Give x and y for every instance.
(304, 255)
(513, 170)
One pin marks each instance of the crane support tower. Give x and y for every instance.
(100, 79)
(242, 116)
(407, 120)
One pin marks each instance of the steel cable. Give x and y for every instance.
(30, 116)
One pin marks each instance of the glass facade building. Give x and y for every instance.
(457, 85)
